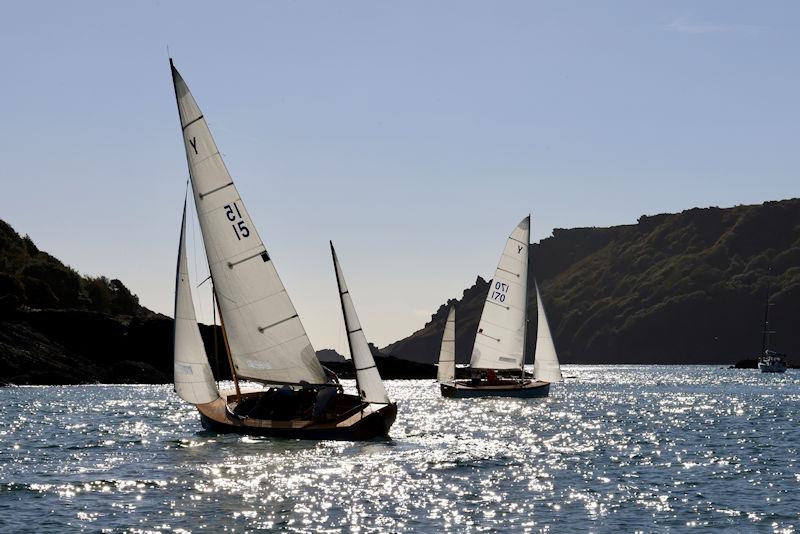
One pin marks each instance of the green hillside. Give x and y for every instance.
(673, 288)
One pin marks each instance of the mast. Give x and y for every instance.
(214, 332)
(525, 319)
(227, 347)
(766, 332)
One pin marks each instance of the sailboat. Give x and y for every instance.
(769, 361)
(500, 339)
(264, 338)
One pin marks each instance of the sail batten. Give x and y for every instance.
(251, 294)
(368, 379)
(500, 343)
(447, 353)
(194, 381)
(545, 364)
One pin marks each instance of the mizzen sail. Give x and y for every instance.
(194, 381)
(500, 340)
(266, 338)
(545, 365)
(368, 380)
(447, 352)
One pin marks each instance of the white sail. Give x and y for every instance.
(266, 338)
(545, 364)
(368, 380)
(447, 353)
(500, 340)
(194, 381)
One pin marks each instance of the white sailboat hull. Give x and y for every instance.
(772, 367)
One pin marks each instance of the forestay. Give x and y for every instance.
(368, 380)
(194, 381)
(447, 354)
(500, 340)
(266, 338)
(545, 365)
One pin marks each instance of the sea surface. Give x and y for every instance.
(614, 449)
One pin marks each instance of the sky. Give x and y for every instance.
(415, 135)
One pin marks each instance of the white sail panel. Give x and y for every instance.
(370, 385)
(500, 340)
(447, 353)
(194, 381)
(545, 364)
(266, 338)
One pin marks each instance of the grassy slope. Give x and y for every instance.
(674, 288)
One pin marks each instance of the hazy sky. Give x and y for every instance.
(414, 134)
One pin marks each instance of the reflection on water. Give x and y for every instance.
(618, 448)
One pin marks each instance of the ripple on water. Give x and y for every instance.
(618, 448)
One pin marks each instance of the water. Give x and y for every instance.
(619, 448)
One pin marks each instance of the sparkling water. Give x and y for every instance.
(617, 448)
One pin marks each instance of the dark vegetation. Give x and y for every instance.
(389, 367)
(675, 288)
(682, 288)
(59, 327)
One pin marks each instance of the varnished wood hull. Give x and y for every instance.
(528, 390)
(367, 422)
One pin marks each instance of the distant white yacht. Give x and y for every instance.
(770, 361)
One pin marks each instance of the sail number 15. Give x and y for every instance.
(235, 217)
(500, 291)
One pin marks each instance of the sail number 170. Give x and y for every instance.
(235, 217)
(499, 291)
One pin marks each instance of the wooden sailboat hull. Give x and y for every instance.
(366, 421)
(527, 390)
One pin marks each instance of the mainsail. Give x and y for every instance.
(447, 353)
(266, 338)
(194, 381)
(500, 340)
(368, 380)
(545, 365)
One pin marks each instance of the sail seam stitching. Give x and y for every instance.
(192, 122)
(201, 195)
(265, 349)
(490, 337)
(262, 329)
(496, 304)
(231, 265)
